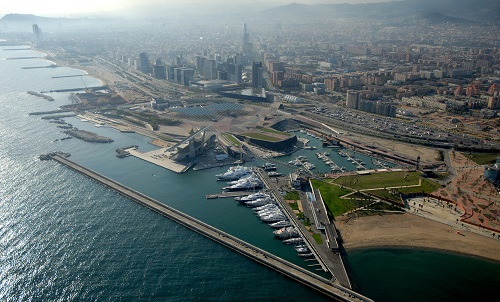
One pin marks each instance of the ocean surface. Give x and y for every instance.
(64, 237)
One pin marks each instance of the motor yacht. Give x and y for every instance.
(280, 224)
(234, 173)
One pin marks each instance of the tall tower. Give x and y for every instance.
(257, 75)
(144, 65)
(247, 46)
(37, 32)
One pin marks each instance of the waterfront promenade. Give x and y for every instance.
(328, 260)
(322, 285)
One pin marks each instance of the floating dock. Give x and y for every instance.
(320, 284)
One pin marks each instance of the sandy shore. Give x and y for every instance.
(407, 230)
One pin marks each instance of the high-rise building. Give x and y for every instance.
(352, 99)
(494, 101)
(171, 73)
(247, 46)
(159, 70)
(257, 75)
(37, 32)
(210, 70)
(144, 64)
(187, 75)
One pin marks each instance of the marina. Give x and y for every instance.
(324, 286)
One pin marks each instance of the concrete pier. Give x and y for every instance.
(322, 285)
(329, 261)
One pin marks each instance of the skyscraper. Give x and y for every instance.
(37, 32)
(247, 46)
(144, 64)
(159, 70)
(257, 75)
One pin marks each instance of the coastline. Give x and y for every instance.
(411, 231)
(388, 231)
(90, 71)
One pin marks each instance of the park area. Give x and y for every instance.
(388, 185)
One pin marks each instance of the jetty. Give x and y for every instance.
(41, 95)
(305, 277)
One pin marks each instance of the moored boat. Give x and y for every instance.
(273, 174)
(252, 196)
(269, 167)
(244, 185)
(234, 173)
(280, 224)
(286, 232)
(259, 202)
(293, 240)
(273, 217)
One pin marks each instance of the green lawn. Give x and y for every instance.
(387, 180)
(379, 180)
(274, 131)
(292, 195)
(261, 136)
(331, 196)
(232, 139)
(317, 238)
(482, 158)
(394, 194)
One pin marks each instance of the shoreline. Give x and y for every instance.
(411, 231)
(438, 241)
(421, 248)
(52, 58)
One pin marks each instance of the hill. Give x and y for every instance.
(432, 10)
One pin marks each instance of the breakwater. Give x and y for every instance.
(37, 67)
(88, 136)
(68, 76)
(322, 285)
(41, 95)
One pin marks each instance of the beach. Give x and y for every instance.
(408, 230)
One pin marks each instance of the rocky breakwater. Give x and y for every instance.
(48, 156)
(88, 136)
(41, 95)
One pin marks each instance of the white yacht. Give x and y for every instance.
(273, 174)
(259, 202)
(246, 184)
(280, 224)
(269, 167)
(269, 212)
(234, 173)
(286, 232)
(302, 249)
(251, 176)
(273, 217)
(252, 196)
(266, 206)
(293, 240)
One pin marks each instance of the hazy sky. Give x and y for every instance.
(78, 7)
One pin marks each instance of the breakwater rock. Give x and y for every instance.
(88, 136)
(41, 95)
(48, 156)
